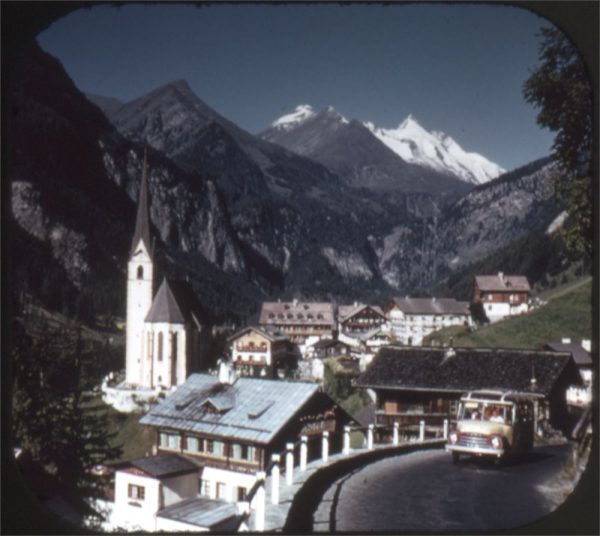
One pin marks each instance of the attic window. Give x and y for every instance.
(300, 316)
(280, 315)
(320, 316)
(290, 316)
(309, 316)
(271, 315)
(286, 307)
(305, 307)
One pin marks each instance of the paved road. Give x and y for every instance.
(424, 491)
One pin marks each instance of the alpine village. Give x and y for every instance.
(207, 325)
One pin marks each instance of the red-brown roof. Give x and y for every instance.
(502, 283)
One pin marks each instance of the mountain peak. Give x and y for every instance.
(300, 114)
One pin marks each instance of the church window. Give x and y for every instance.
(150, 344)
(160, 346)
(174, 345)
(140, 272)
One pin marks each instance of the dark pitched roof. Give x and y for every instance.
(142, 222)
(330, 343)
(175, 303)
(345, 312)
(580, 355)
(436, 369)
(502, 283)
(162, 465)
(267, 334)
(431, 306)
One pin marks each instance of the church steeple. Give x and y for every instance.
(142, 222)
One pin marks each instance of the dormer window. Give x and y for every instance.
(300, 316)
(140, 272)
(271, 315)
(290, 316)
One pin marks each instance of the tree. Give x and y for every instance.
(561, 89)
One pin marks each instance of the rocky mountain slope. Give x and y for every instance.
(241, 217)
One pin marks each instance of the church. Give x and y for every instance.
(165, 336)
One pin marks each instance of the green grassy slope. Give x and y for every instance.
(568, 313)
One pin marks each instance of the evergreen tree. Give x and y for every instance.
(561, 89)
(59, 423)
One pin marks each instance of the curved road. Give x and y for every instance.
(425, 491)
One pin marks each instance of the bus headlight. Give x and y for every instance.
(496, 442)
(453, 437)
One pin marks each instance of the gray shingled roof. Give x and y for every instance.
(468, 369)
(200, 511)
(142, 222)
(296, 312)
(162, 465)
(580, 355)
(175, 303)
(432, 306)
(259, 407)
(502, 283)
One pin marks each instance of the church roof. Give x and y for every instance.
(142, 222)
(175, 303)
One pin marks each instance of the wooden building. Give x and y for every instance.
(359, 318)
(260, 353)
(501, 295)
(414, 384)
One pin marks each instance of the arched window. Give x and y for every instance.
(160, 346)
(140, 272)
(174, 345)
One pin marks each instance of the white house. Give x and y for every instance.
(501, 295)
(411, 319)
(578, 395)
(160, 493)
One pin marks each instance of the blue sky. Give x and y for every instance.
(455, 68)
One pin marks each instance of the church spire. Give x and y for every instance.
(142, 222)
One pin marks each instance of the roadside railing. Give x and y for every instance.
(377, 436)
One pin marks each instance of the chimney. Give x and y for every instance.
(586, 344)
(355, 304)
(225, 373)
(567, 340)
(501, 276)
(533, 380)
(295, 302)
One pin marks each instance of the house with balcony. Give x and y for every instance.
(359, 318)
(500, 295)
(302, 322)
(414, 384)
(261, 353)
(412, 319)
(230, 426)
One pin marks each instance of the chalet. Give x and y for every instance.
(414, 384)
(359, 318)
(299, 320)
(501, 295)
(160, 493)
(231, 426)
(411, 319)
(260, 353)
(577, 395)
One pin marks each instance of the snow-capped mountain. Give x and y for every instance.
(436, 150)
(410, 141)
(355, 154)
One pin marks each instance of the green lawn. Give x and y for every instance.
(567, 314)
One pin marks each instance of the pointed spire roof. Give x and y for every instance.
(142, 222)
(175, 303)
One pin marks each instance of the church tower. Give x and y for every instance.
(139, 287)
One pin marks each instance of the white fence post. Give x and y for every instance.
(421, 430)
(370, 437)
(346, 440)
(325, 446)
(303, 452)
(259, 498)
(275, 458)
(289, 464)
(396, 434)
(445, 428)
